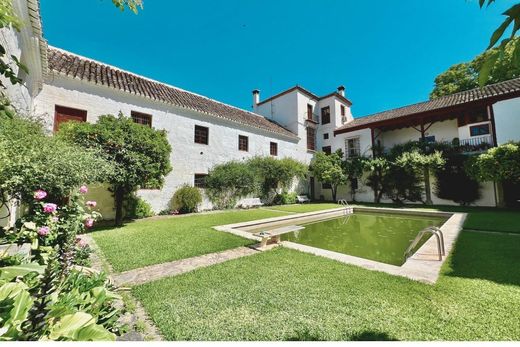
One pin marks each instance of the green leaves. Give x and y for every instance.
(10, 272)
(79, 326)
(500, 164)
(133, 5)
(15, 303)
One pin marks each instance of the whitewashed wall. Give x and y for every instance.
(507, 120)
(187, 157)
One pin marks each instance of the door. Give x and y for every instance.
(66, 114)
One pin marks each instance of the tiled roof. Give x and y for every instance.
(75, 66)
(499, 90)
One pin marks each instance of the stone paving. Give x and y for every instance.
(174, 268)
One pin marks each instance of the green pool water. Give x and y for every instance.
(375, 236)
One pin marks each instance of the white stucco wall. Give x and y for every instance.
(187, 157)
(507, 120)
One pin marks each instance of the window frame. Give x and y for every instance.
(327, 150)
(196, 180)
(241, 139)
(311, 145)
(273, 145)
(325, 116)
(356, 149)
(60, 110)
(198, 136)
(343, 110)
(135, 115)
(326, 136)
(480, 126)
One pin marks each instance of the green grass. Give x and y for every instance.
(287, 295)
(156, 241)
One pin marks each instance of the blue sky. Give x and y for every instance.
(386, 53)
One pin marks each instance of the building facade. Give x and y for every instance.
(63, 86)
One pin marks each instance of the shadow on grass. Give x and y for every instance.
(486, 256)
(306, 335)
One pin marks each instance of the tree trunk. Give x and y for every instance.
(119, 195)
(500, 194)
(334, 190)
(427, 187)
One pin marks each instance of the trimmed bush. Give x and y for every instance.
(137, 208)
(186, 199)
(285, 198)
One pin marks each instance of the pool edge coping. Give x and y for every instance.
(422, 266)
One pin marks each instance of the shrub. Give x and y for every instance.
(453, 183)
(226, 183)
(137, 208)
(186, 199)
(285, 198)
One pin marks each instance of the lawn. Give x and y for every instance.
(287, 295)
(155, 241)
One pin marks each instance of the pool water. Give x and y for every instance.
(375, 236)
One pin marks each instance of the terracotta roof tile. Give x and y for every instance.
(502, 90)
(75, 66)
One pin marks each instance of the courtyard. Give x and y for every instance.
(283, 294)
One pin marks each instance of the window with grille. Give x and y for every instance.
(142, 118)
(326, 136)
(199, 180)
(309, 112)
(352, 147)
(201, 134)
(325, 115)
(273, 148)
(342, 110)
(311, 139)
(243, 143)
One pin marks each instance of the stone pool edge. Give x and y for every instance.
(422, 266)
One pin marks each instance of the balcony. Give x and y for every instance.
(312, 118)
(474, 144)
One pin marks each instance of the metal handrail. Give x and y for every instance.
(348, 208)
(434, 231)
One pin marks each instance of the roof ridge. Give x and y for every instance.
(150, 79)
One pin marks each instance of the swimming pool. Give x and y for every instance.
(372, 237)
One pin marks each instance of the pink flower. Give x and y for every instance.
(89, 222)
(49, 208)
(91, 203)
(83, 189)
(43, 231)
(40, 194)
(81, 243)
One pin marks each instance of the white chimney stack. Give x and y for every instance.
(341, 91)
(256, 97)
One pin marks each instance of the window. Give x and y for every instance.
(352, 147)
(342, 108)
(326, 186)
(327, 149)
(309, 111)
(201, 134)
(326, 136)
(199, 180)
(273, 148)
(243, 143)
(311, 139)
(64, 114)
(142, 118)
(325, 115)
(428, 139)
(479, 130)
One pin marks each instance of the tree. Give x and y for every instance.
(453, 183)
(227, 182)
(31, 160)
(133, 5)
(421, 163)
(512, 18)
(378, 169)
(272, 173)
(353, 168)
(465, 76)
(140, 154)
(328, 169)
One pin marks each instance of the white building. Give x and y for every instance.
(203, 132)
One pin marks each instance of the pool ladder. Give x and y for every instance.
(348, 208)
(429, 230)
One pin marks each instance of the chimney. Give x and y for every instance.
(256, 98)
(341, 91)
